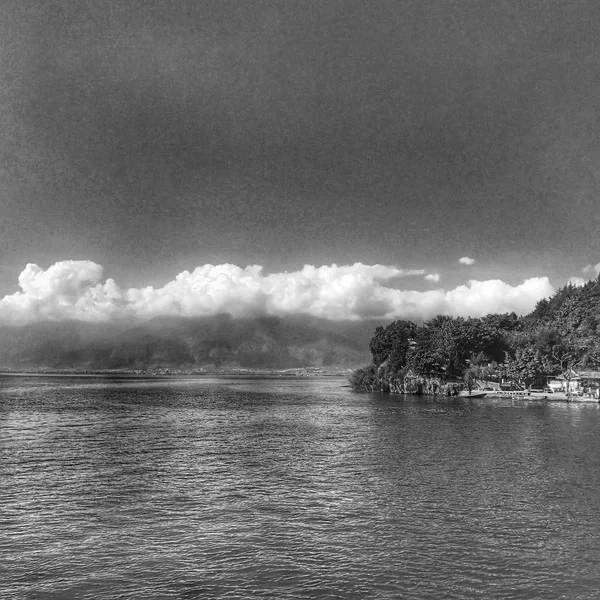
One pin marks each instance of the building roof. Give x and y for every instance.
(577, 375)
(589, 374)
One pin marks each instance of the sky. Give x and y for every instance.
(347, 159)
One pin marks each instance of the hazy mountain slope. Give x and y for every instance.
(262, 342)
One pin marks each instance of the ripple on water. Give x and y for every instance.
(291, 489)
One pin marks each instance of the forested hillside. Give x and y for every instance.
(561, 334)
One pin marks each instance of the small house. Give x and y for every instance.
(590, 382)
(582, 381)
(558, 383)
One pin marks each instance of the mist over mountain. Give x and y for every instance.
(188, 343)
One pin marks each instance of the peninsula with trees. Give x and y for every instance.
(448, 354)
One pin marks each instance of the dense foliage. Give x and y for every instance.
(561, 334)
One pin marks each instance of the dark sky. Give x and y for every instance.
(156, 136)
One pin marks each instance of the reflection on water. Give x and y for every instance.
(292, 489)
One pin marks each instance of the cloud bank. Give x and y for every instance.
(77, 290)
(592, 270)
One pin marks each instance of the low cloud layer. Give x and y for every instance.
(589, 272)
(78, 290)
(592, 270)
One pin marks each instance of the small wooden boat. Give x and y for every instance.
(473, 394)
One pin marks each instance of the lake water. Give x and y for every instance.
(239, 488)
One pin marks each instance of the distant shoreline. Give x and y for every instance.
(176, 373)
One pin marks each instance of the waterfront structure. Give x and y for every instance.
(580, 382)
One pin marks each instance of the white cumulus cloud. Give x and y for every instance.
(435, 277)
(465, 260)
(77, 290)
(592, 270)
(577, 281)
(70, 289)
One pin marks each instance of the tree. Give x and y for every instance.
(568, 356)
(560, 335)
(392, 343)
(527, 365)
(364, 378)
(425, 357)
(470, 377)
(566, 351)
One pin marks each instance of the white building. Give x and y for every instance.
(582, 381)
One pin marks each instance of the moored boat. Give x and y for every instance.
(473, 394)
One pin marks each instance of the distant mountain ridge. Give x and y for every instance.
(175, 342)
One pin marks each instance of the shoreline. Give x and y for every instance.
(176, 373)
(550, 396)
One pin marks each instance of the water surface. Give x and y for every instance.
(233, 488)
